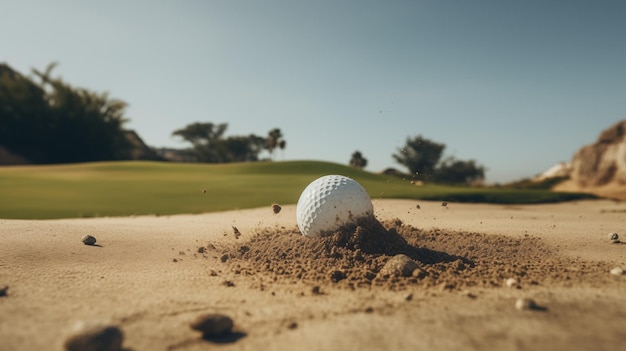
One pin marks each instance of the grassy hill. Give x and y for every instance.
(142, 188)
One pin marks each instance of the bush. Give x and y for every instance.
(52, 122)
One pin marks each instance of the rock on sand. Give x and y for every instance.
(399, 265)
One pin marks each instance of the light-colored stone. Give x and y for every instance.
(524, 304)
(617, 271)
(511, 283)
(399, 265)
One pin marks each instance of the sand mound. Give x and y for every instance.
(354, 257)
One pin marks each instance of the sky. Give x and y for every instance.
(517, 86)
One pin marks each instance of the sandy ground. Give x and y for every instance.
(149, 278)
(610, 191)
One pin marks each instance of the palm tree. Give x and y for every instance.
(275, 140)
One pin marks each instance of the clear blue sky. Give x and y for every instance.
(515, 85)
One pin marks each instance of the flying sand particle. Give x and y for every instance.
(236, 232)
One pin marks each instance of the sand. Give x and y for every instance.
(152, 276)
(612, 190)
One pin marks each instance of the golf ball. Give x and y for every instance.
(330, 202)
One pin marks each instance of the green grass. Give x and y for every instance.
(154, 188)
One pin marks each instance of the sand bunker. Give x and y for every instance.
(153, 277)
(354, 257)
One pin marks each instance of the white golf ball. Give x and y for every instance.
(330, 202)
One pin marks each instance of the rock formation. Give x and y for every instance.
(600, 168)
(603, 162)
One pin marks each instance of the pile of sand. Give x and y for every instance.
(354, 256)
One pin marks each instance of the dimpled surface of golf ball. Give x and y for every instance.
(330, 202)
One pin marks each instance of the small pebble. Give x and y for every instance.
(419, 273)
(512, 283)
(617, 271)
(613, 236)
(468, 294)
(3, 291)
(276, 208)
(525, 304)
(399, 265)
(94, 337)
(212, 324)
(88, 240)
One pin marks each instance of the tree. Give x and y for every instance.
(201, 134)
(357, 160)
(457, 171)
(204, 138)
(239, 148)
(53, 122)
(275, 140)
(420, 156)
(24, 116)
(210, 145)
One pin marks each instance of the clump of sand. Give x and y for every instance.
(354, 256)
